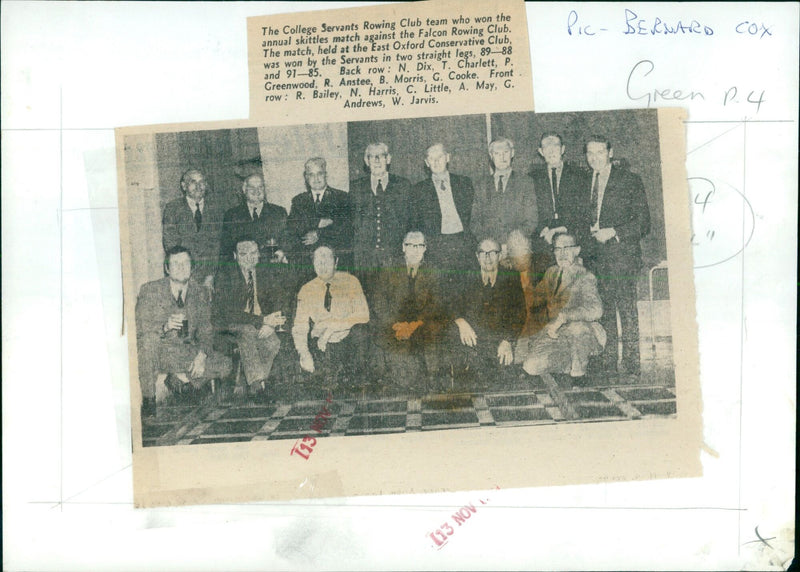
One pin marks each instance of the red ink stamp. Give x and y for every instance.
(441, 535)
(308, 442)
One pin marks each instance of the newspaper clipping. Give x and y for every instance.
(440, 290)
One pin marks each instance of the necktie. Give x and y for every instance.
(198, 218)
(442, 186)
(595, 196)
(317, 198)
(499, 188)
(412, 281)
(251, 292)
(558, 282)
(328, 298)
(554, 190)
(379, 188)
(255, 214)
(180, 301)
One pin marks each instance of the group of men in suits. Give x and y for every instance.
(486, 271)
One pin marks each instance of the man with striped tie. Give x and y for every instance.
(251, 303)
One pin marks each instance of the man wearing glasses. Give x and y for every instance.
(410, 317)
(490, 314)
(566, 309)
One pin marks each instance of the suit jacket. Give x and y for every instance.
(572, 199)
(496, 313)
(426, 215)
(304, 216)
(395, 301)
(155, 304)
(496, 213)
(238, 223)
(625, 210)
(179, 229)
(575, 297)
(230, 298)
(368, 251)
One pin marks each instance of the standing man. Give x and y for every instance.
(441, 207)
(563, 199)
(174, 332)
(249, 303)
(328, 324)
(620, 218)
(566, 308)
(380, 206)
(255, 218)
(489, 315)
(505, 200)
(410, 316)
(320, 216)
(193, 222)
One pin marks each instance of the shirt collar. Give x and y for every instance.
(491, 276)
(176, 287)
(439, 178)
(384, 180)
(194, 204)
(506, 174)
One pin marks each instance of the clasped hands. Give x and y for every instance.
(404, 330)
(270, 322)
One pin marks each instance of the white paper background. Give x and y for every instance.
(71, 72)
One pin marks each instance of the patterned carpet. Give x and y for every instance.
(218, 418)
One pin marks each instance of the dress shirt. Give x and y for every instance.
(348, 306)
(451, 222)
(384, 180)
(259, 207)
(194, 205)
(489, 278)
(602, 181)
(178, 288)
(505, 174)
(318, 195)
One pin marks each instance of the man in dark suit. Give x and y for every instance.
(249, 303)
(620, 218)
(380, 215)
(489, 314)
(410, 316)
(255, 218)
(174, 332)
(321, 216)
(505, 200)
(441, 207)
(563, 199)
(193, 221)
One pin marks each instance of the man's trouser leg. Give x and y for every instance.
(257, 354)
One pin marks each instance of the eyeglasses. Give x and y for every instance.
(413, 245)
(487, 252)
(563, 248)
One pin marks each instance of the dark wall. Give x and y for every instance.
(464, 136)
(224, 156)
(633, 135)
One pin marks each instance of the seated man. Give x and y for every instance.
(490, 314)
(566, 308)
(248, 303)
(174, 333)
(331, 309)
(409, 315)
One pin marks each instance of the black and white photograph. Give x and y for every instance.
(411, 275)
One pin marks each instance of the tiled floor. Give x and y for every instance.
(530, 401)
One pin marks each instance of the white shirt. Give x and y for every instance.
(256, 309)
(505, 174)
(384, 180)
(194, 205)
(602, 181)
(451, 222)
